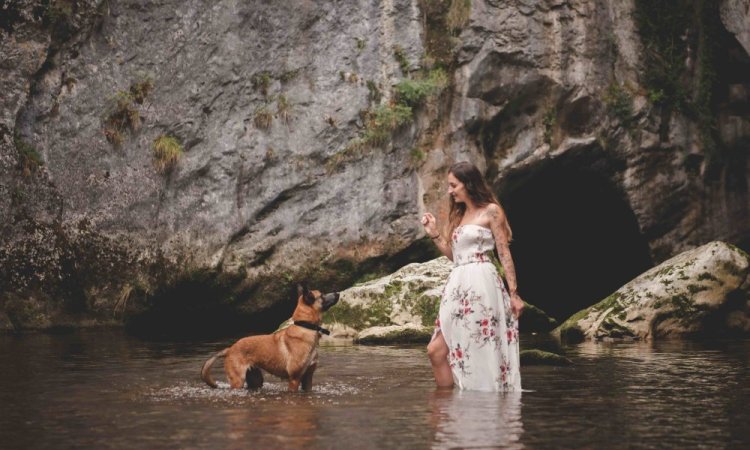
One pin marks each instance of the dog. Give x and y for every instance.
(290, 353)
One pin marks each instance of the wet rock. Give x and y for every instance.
(534, 357)
(394, 334)
(703, 291)
(409, 297)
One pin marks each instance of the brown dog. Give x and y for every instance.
(291, 353)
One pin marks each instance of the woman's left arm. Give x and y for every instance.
(498, 226)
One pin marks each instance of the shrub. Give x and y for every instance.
(167, 151)
(619, 103)
(384, 120)
(415, 92)
(141, 89)
(458, 15)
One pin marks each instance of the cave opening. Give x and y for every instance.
(575, 239)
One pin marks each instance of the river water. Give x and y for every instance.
(106, 389)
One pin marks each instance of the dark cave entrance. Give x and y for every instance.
(575, 239)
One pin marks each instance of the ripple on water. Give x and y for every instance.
(322, 393)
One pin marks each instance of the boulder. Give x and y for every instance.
(700, 291)
(392, 307)
(395, 334)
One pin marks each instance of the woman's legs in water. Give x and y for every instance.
(437, 351)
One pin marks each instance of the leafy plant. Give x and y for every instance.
(415, 92)
(619, 103)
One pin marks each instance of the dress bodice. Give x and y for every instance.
(472, 244)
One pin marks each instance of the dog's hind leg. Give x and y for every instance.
(235, 371)
(308, 377)
(254, 378)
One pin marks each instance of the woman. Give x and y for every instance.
(475, 344)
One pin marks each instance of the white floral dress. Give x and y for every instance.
(475, 317)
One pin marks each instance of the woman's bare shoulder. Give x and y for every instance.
(493, 212)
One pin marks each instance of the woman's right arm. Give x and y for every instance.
(430, 227)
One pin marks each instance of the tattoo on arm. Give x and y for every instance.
(497, 225)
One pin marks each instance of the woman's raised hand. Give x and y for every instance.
(430, 224)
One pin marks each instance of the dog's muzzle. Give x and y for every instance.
(330, 300)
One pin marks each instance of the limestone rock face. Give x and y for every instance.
(701, 291)
(735, 14)
(265, 101)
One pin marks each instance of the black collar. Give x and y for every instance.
(311, 326)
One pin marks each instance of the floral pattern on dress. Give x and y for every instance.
(458, 358)
(486, 328)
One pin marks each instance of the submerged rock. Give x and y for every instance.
(535, 357)
(701, 291)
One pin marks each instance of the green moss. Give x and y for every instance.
(534, 357)
(377, 313)
(739, 250)
(695, 288)
(361, 43)
(549, 120)
(29, 158)
(426, 307)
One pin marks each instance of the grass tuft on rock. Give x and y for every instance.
(167, 151)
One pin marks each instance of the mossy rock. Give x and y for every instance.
(691, 294)
(534, 357)
(394, 334)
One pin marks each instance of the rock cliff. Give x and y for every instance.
(181, 163)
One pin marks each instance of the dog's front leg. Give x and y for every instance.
(294, 384)
(308, 377)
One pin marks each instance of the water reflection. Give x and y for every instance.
(476, 419)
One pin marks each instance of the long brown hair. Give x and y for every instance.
(479, 193)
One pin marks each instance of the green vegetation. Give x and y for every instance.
(458, 15)
(29, 158)
(374, 94)
(427, 308)
(377, 313)
(401, 58)
(361, 42)
(123, 113)
(542, 358)
(681, 39)
(620, 104)
(283, 108)
(414, 92)
(418, 156)
(549, 120)
(261, 82)
(167, 151)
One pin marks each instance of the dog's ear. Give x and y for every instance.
(305, 293)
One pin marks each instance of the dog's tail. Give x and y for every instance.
(206, 369)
